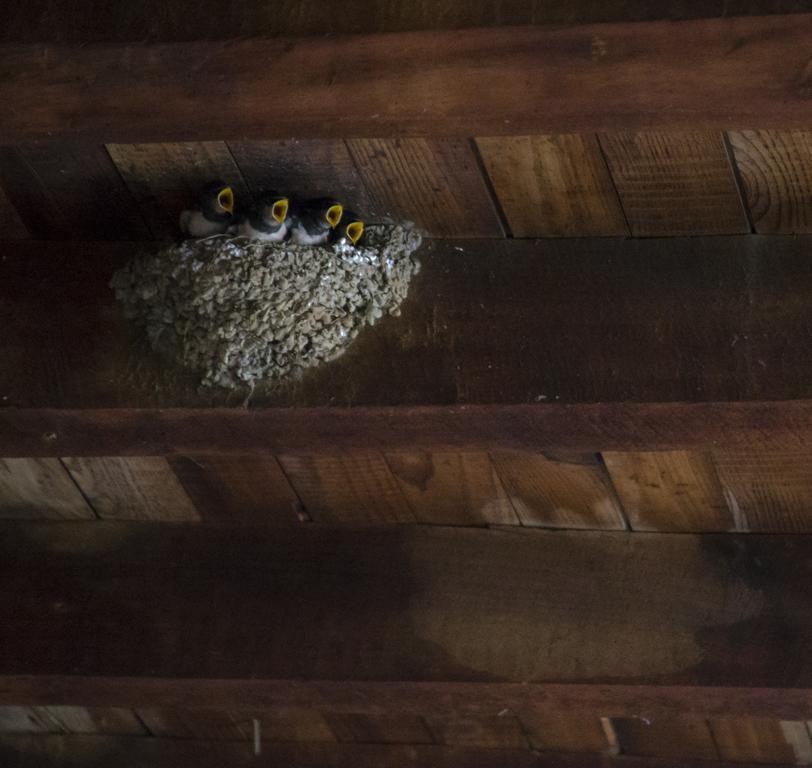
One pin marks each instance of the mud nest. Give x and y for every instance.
(241, 311)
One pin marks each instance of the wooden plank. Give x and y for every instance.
(69, 191)
(287, 724)
(392, 604)
(762, 741)
(306, 168)
(526, 80)
(142, 488)
(559, 491)
(675, 183)
(112, 721)
(676, 739)
(494, 732)
(604, 315)
(245, 489)
(11, 225)
(553, 186)
(165, 177)
(669, 491)
(351, 488)
(436, 183)
(79, 752)
(204, 723)
(452, 488)
(767, 491)
(776, 167)
(564, 731)
(380, 729)
(39, 488)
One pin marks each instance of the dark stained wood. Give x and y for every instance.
(767, 491)
(559, 491)
(675, 183)
(69, 191)
(135, 488)
(414, 604)
(165, 177)
(98, 752)
(498, 322)
(677, 739)
(553, 186)
(350, 488)
(307, 168)
(762, 741)
(670, 491)
(379, 729)
(245, 489)
(436, 183)
(11, 224)
(482, 82)
(287, 724)
(495, 731)
(776, 167)
(452, 488)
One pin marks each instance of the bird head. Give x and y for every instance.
(225, 200)
(333, 214)
(217, 199)
(353, 227)
(275, 208)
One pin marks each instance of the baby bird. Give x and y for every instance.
(266, 220)
(350, 229)
(313, 220)
(213, 214)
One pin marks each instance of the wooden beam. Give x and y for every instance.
(751, 71)
(405, 619)
(103, 751)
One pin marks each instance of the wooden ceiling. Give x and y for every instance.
(556, 513)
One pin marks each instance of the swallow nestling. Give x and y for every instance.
(350, 229)
(213, 214)
(313, 220)
(266, 220)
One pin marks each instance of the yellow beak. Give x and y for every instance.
(354, 231)
(225, 199)
(333, 215)
(280, 210)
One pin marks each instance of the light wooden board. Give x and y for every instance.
(776, 167)
(286, 724)
(245, 489)
(39, 488)
(675, 183)
(203, 723)
(762, 741)
(143, 488)
(553, 186)
(452, 488)
(564, 490)
(669, 491)
(165, 177)
(305, 168)
(767, 491)
(565, 731)
(678, 739)
(436, 183)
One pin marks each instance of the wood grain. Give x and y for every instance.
(380, 729)
(165, 177)
(762, 741)
(245, 489)
(558, 491)
(435, 183)
(776, 167)
(482, 82)
(39, 488)
(452, 488)
(11, 225)
(142, 488)
(353, 488)
(553, 186)
(113, 721)
(494, 732)
(204, 723)
(669, 491)
(677, 739)
(306, 168)
(767, 491)
(564, 731)
(69, 191)
(675, 183)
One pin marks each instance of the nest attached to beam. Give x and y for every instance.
(241, 311)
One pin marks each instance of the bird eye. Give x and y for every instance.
(333, 215)
(355, 230)
(225, 199)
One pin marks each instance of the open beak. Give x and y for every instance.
(355, 230)
(280, 210)
(226, 199)
(333, 215)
